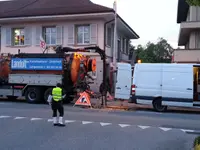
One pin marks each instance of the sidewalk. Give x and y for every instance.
(125, 105)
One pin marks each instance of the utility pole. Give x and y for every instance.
(115, 36)
(115, 45)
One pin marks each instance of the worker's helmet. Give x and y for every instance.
(58, 85)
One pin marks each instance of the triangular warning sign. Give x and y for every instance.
(83, 100)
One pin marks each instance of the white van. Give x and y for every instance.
(165, 85)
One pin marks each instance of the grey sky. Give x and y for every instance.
(149, 18)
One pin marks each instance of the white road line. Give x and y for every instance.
(69, 121)
(186, 130)
(124, 125)
(86, 122)
(33, 119)
(16, 118)
(5, 116)
(105, 124)
(144, 127)
(101, 123)
(165, 129)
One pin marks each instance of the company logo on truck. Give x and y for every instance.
(21, 64)
(36, 64)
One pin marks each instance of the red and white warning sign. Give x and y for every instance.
(84, 100)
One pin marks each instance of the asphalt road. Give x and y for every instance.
(29, 127)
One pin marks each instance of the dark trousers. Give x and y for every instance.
(57, 106)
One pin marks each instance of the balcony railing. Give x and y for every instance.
(186, 56)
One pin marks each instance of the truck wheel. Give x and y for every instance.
(157, 105)
(12, 97)
(33, 95)
(47, 93)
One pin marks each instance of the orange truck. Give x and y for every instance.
(33, 75)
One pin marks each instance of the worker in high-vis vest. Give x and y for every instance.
(57, 105)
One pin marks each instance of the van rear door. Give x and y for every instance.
(124, 78)
(177, 85)
(147, 82)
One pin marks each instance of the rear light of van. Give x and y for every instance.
(133, 89)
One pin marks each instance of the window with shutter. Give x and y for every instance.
(38, 34)
(93, 34)
(28, 36)
(8, 37)
(197, 40)
(50, 35)
(82, 34)
(71, 34)
(18, 36)
(109, 36)
(59, 35)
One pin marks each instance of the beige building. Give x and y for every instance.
(189, 34)
(73, 23)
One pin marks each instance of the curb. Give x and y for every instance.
(196, 144)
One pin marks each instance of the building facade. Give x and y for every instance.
(189, 34)
(92, 25)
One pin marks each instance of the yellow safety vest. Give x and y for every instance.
(57, 94)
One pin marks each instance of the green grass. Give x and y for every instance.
(196, 143)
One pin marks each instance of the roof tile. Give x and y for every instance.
(25, 8)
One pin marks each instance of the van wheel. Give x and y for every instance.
(47, 93)
(33, 95)
(157, 105)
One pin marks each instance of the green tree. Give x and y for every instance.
(193, 2)
(161, 52)
(131, 50)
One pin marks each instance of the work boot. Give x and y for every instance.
(55, 121)
(60, 123)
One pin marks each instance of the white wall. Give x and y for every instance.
(34, 47)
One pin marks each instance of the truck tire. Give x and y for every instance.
(157, 105)
(46, 94)
(33, 95)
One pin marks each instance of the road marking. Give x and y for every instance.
(16, 118)
(186, 130)
(165, 129)
(102, 123)
(69, 121)
(86, 122)
(124, 125)
(105, 124)
(33, 119)
(5, 116)
(144, 127)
